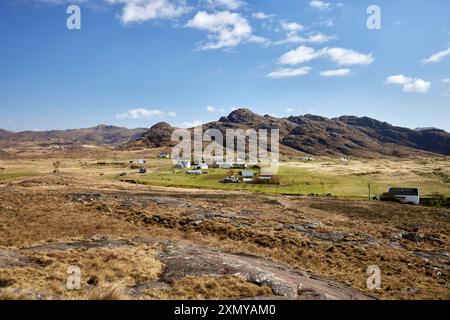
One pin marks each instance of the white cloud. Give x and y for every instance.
(210, 109)
(291, 26)
(227, 4)
(191, 124)
(261, 15)
(321, 5)
(292, 34)
(437, 57)
(410, 84)
(293, 37)
(336, 73)
(446, 94)
(58, 2)
(348, 57)
(299, 55)
(340, 56)
(446, 80)
(289, 73)
(171, 114)
(140, 113)
(318, 38)
(226, 29)
(144, 10)
(289, 109)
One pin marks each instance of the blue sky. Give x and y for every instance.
(138, 62)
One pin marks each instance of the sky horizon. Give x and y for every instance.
(134, 63)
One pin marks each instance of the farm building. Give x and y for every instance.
(231, 179)
(247, 173)
(164, 155)
(224, 165)
(183, 164)
(239, 166)
(195, 172)
(406, 195)
(200, 166)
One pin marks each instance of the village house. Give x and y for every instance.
(200, 166)
(230, 179)
(247, 173)
(406, 195)
(194, 172)
(223, 165)
(183, 164)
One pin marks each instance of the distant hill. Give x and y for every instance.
(304, 134)
(316, 135)
(157, 136)
(98, 135)
(427, 129)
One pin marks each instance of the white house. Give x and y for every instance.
(183, 164)
(406, 195)
(194, 172)
(200, 166)
(247, 173)
(224, 165)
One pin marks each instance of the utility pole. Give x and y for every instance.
(369, 192)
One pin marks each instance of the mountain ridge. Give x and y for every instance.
(321, 136)
(98, 135)
(306, 134)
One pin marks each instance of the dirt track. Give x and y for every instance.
(182, 259)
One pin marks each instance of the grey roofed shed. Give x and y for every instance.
(404, 191)
(247, 173)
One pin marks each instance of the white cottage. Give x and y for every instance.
(183, 164)
(406, 195)
(200, 166)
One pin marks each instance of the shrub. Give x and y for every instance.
(387, 196)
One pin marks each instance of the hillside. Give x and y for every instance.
(98, 135)
(316, 135)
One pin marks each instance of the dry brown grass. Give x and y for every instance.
(112, 292)
(211, 288)
(104, 271)
(8, 294)
(41, 213)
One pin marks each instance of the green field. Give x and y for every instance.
(320, 178)
(12, 175)
(291, 182)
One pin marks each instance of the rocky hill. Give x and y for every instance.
(316, 135)
(98, 135)
(157, 136)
